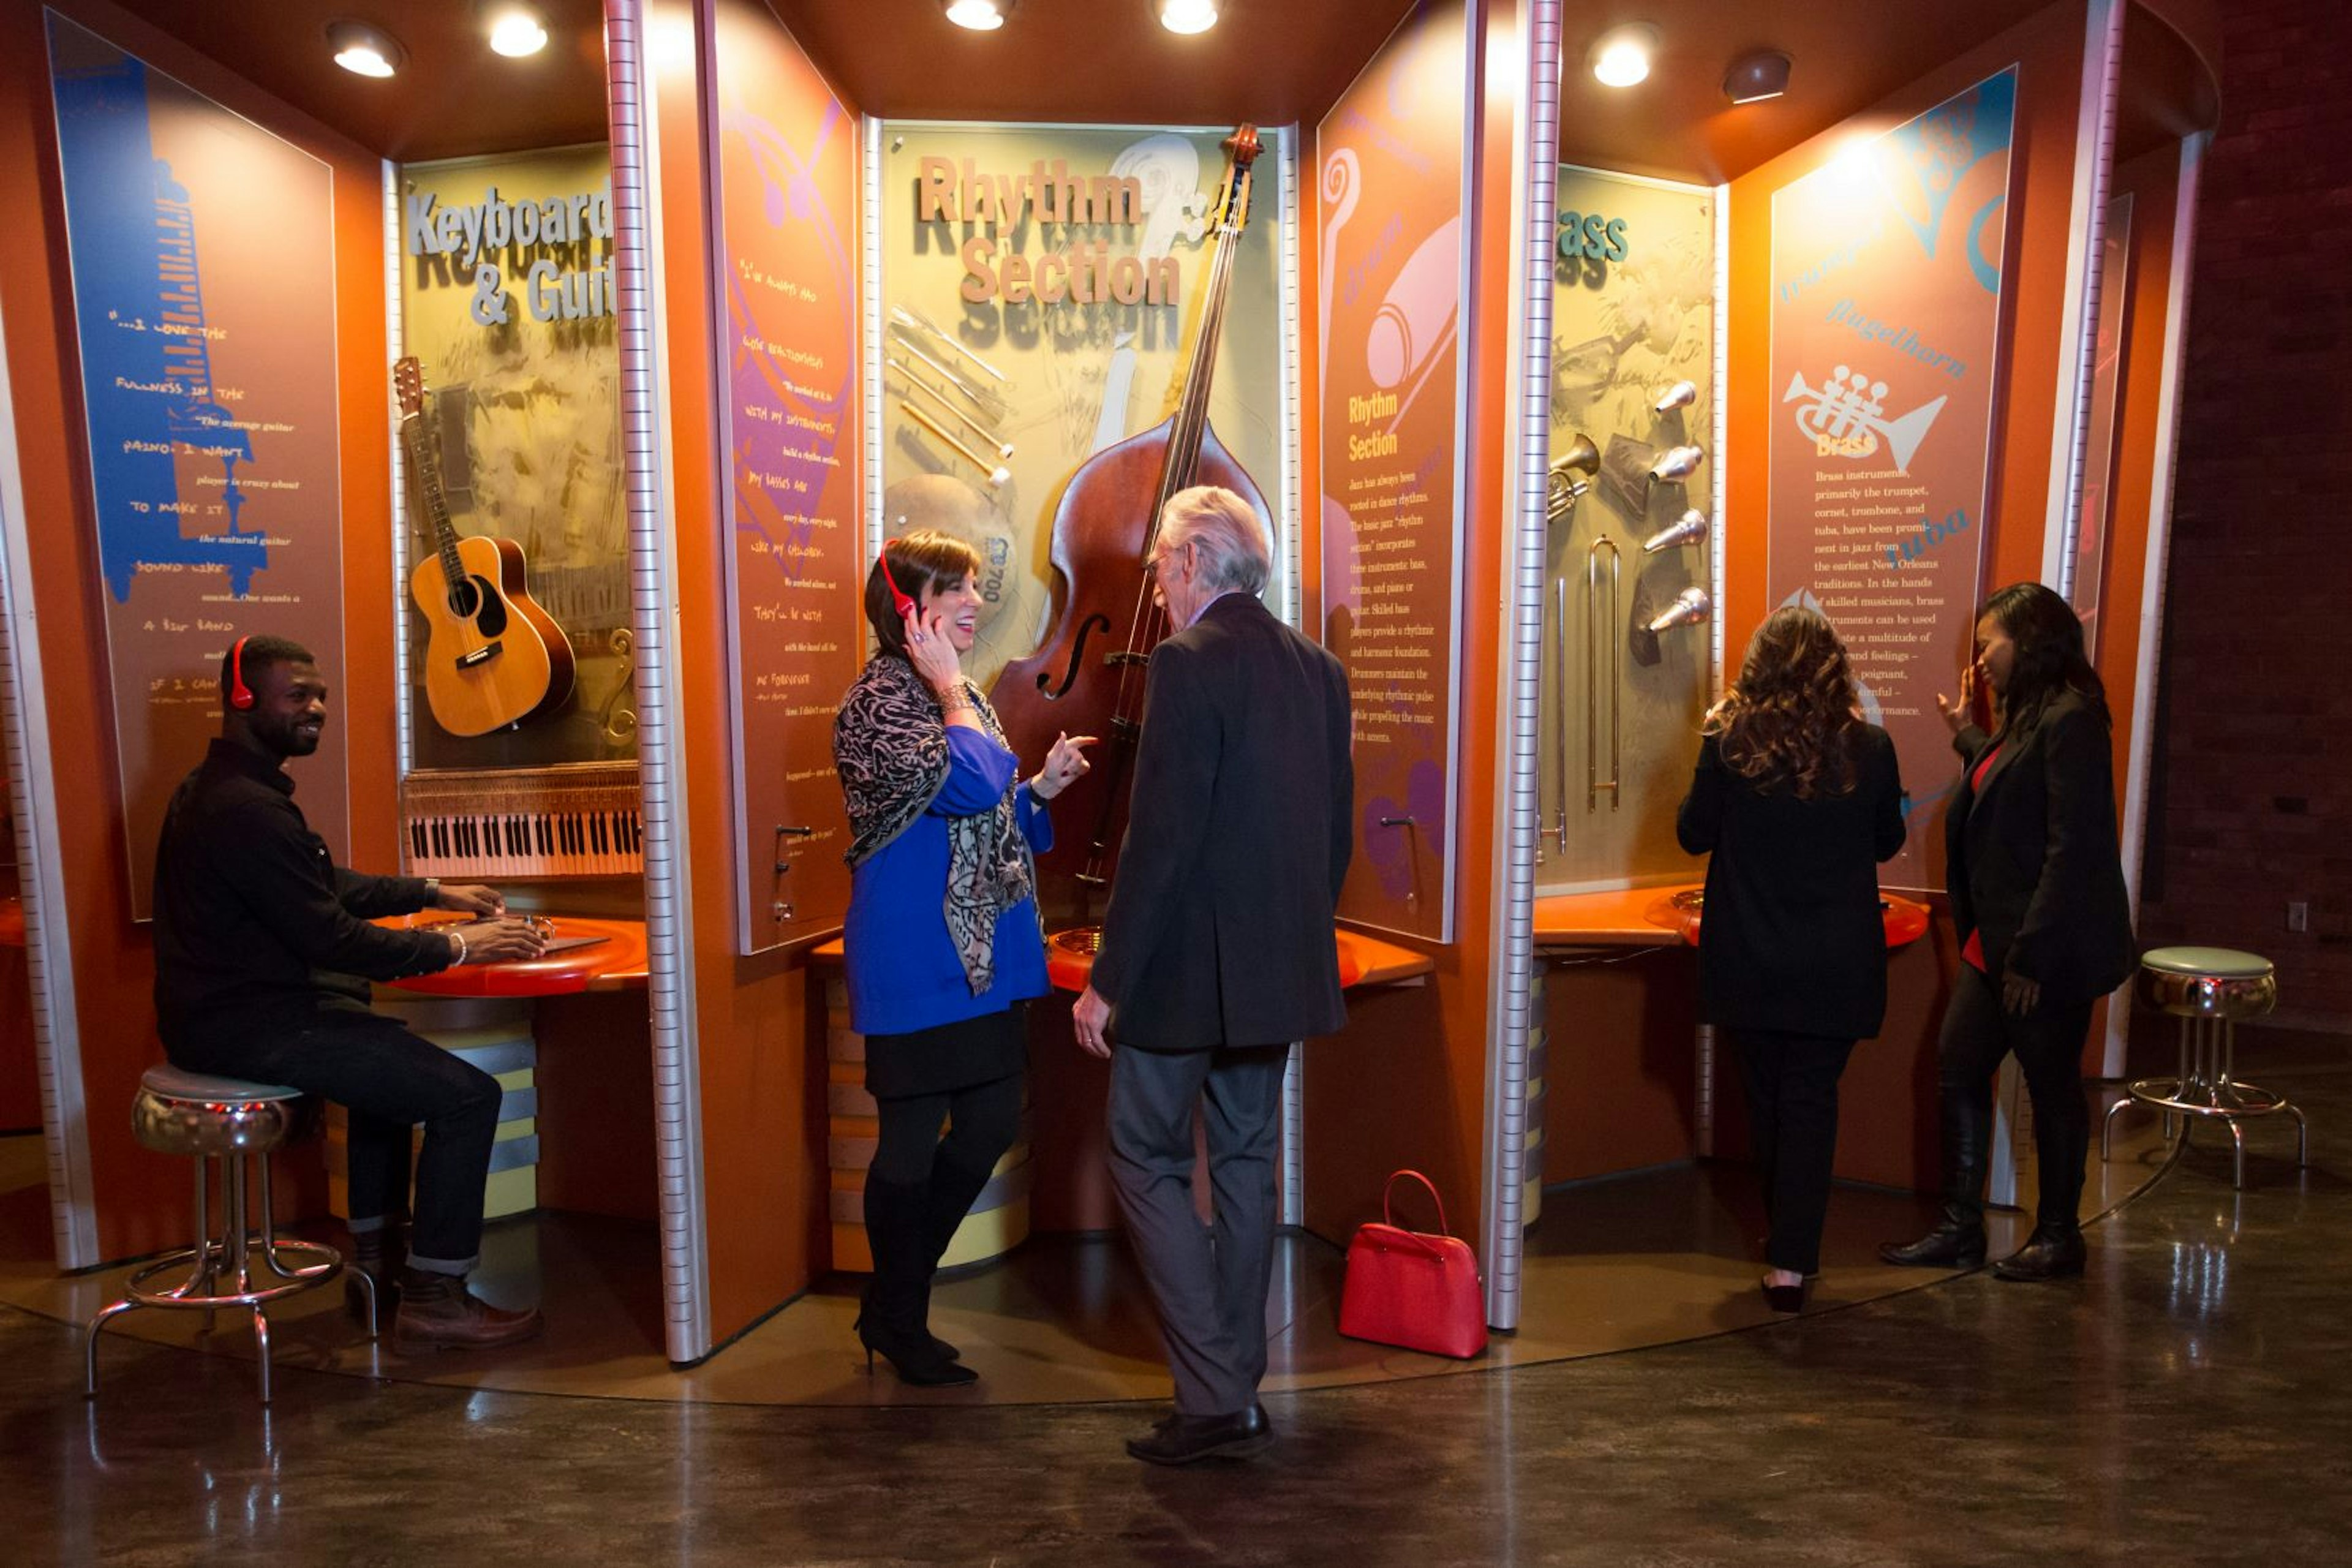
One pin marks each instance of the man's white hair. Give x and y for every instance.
(1236, 555)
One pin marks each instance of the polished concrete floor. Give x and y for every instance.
(1647, 1260)
(2189, 1401)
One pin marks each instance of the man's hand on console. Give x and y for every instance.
(470, 899)
(501, 940)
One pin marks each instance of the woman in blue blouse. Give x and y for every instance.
(943, 945)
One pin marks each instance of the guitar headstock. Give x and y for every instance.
(408, 385)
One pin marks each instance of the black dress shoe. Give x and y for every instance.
(2046, 1257)
(1185, 1439)
(1787, 1297)
(1948, 1246)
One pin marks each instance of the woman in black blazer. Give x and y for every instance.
(2038, 901)
(1797, 800)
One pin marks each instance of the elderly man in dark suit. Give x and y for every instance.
(1218, 951)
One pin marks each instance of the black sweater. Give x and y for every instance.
(1791, 938)
(255, 923)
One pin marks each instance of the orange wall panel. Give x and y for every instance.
(143, 1199)
(1897, 1143)
(759, 1031)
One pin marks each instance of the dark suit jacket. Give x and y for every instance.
(1791, 937)
(1219, 931)
(2034, 860)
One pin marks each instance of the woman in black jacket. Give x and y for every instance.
(1798, 800)
(2038, 903)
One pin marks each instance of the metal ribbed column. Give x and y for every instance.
(1534, 162)
(32, 792)
(395, 329)
(677, 1124)
(1293, 515)
(2103, 52)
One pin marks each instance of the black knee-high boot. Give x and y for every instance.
(1958, 1237)
(897, 1300)
(946, 1202)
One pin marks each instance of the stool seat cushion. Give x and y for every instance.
(2219, 962)
(178, 1083)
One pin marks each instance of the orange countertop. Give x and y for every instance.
(616, 964)
(1364, 959)
(1670, 916)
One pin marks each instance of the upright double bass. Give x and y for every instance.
(1087, 678)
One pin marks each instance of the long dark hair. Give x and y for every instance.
(2050, 658)
(1790, 718)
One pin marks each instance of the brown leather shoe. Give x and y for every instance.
(437, 1312)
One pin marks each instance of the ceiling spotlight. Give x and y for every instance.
(980, 15)
(364, 50)
(1187, 15)
(516, 31)
(1757, 76)
(1620, 56)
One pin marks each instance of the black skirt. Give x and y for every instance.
(949, 1057)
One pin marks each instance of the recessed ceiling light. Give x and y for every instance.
(1620, 56)
(365, 50)
(1757, 76)
(1187, 15)
(517, 31)
(980, 15)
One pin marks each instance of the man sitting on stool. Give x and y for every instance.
(263, 951)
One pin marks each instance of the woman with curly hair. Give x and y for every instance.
(1796, 800)
(2037, 887)
(942, 944)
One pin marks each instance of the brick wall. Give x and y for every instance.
(2252, 800)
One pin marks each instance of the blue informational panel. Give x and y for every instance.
(203, 261)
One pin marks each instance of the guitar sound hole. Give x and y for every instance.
(475, 600)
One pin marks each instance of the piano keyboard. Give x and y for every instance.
(579, 821)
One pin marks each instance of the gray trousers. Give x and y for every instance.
(1209, 1284)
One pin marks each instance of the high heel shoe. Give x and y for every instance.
(1785, 1298)
(915, 1359)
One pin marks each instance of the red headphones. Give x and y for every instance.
(240, 696)
(905, 605)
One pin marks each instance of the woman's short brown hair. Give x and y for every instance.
(924, 561)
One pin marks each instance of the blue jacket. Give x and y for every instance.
(904, 974)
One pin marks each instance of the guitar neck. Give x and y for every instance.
(418, 443)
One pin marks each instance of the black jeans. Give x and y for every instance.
(389, 1081)
(1793, 1111)
(2048, 1043)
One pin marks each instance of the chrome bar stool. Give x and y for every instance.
(2208, 989)
(227, 1120)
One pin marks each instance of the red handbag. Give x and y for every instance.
(1420, 1293)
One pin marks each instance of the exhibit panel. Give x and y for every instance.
(1628, 610)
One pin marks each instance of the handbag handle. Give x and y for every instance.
(1386, 1215)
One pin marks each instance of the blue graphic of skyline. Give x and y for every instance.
(147, 385)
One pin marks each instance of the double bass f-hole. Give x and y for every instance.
(1087, 628)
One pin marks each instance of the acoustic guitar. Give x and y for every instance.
(492, 657)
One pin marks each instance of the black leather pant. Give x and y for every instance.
(2048, 1043)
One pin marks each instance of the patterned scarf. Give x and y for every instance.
(890, 748)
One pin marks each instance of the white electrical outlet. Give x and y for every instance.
(2299, 916)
